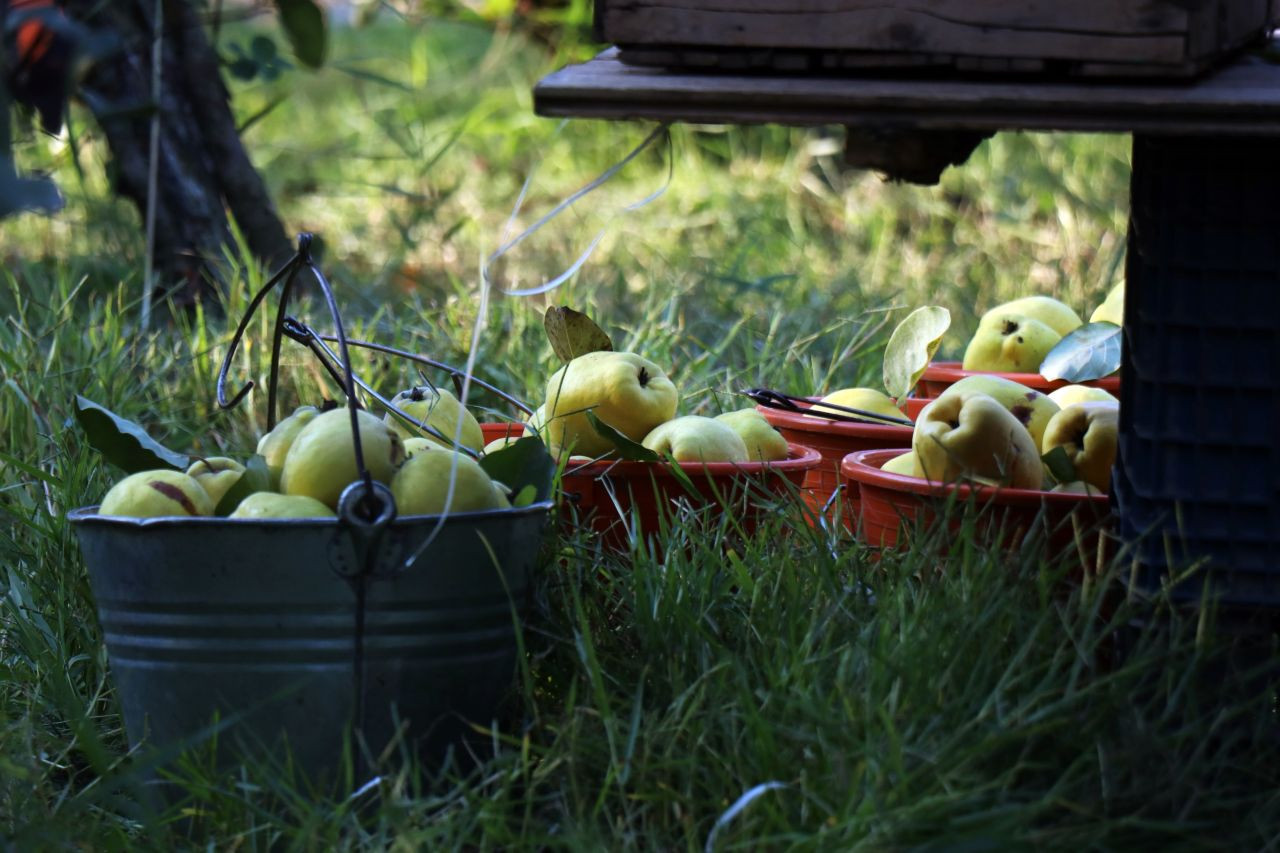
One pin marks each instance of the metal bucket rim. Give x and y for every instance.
(89, 515)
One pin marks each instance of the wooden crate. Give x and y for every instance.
(1169, 38)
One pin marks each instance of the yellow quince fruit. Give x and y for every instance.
(972, 436)
(1090, 434)
(624, 390)
(694, 438)
(764, 443)
(1007, 342)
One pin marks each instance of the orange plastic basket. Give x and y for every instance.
(835, 440)
(894, 505)
(613, 496)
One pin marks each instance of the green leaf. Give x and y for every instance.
(520, 465)
(526, 496)
(304, 23)
(256, 478)
(911, 346)
(573, 333)
(1059, 464)
(122, 442)
(1091, 351)
(629, 450)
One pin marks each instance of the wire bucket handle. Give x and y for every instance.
(367, 506)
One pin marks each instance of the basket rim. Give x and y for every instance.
(88, 515)
(863, 466)
(951, 371)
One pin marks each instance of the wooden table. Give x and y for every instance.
(1199, 461)
(1242, 98)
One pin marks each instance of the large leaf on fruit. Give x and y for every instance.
(525, 467)
(1091, 351)
(303, 22)
(1059, 464)
(122, 442)
(911, 346)
(573, 333)
(256, 478)
(629, 450)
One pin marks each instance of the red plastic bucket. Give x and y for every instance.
(941, 375)
(892, 505)
(835, 440)
(495, 431)
(608, 494)
(612, 496)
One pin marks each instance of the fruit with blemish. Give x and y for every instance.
(440, 410)
(1008, 342)
(1032, 408)
(154, 494)
(1055, 314)
(972, 436)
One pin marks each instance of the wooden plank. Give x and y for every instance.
(878, 26)
(1243, 98)
(753, 21)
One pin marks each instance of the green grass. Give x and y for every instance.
(967, 703)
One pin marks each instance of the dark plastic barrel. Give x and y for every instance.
(211, 616)
(1198, 473)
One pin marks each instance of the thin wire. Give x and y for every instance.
(476, 330)
(662, 131)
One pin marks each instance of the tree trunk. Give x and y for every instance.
(204, 173)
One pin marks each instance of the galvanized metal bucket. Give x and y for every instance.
(304, 632)
(298, 630)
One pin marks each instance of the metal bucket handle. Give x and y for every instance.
(338, 365)
(368, 505)
(366, 508)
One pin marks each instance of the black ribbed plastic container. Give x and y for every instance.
(1198, 474)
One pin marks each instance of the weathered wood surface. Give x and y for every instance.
(1243, 97)
(1176, 37)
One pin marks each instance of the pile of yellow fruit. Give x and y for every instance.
(310, 460)
(310, 456)
(1015, 337)
(994, 431)
(991, 430)
(636, 398)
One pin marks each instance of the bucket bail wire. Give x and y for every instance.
(361, 552)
